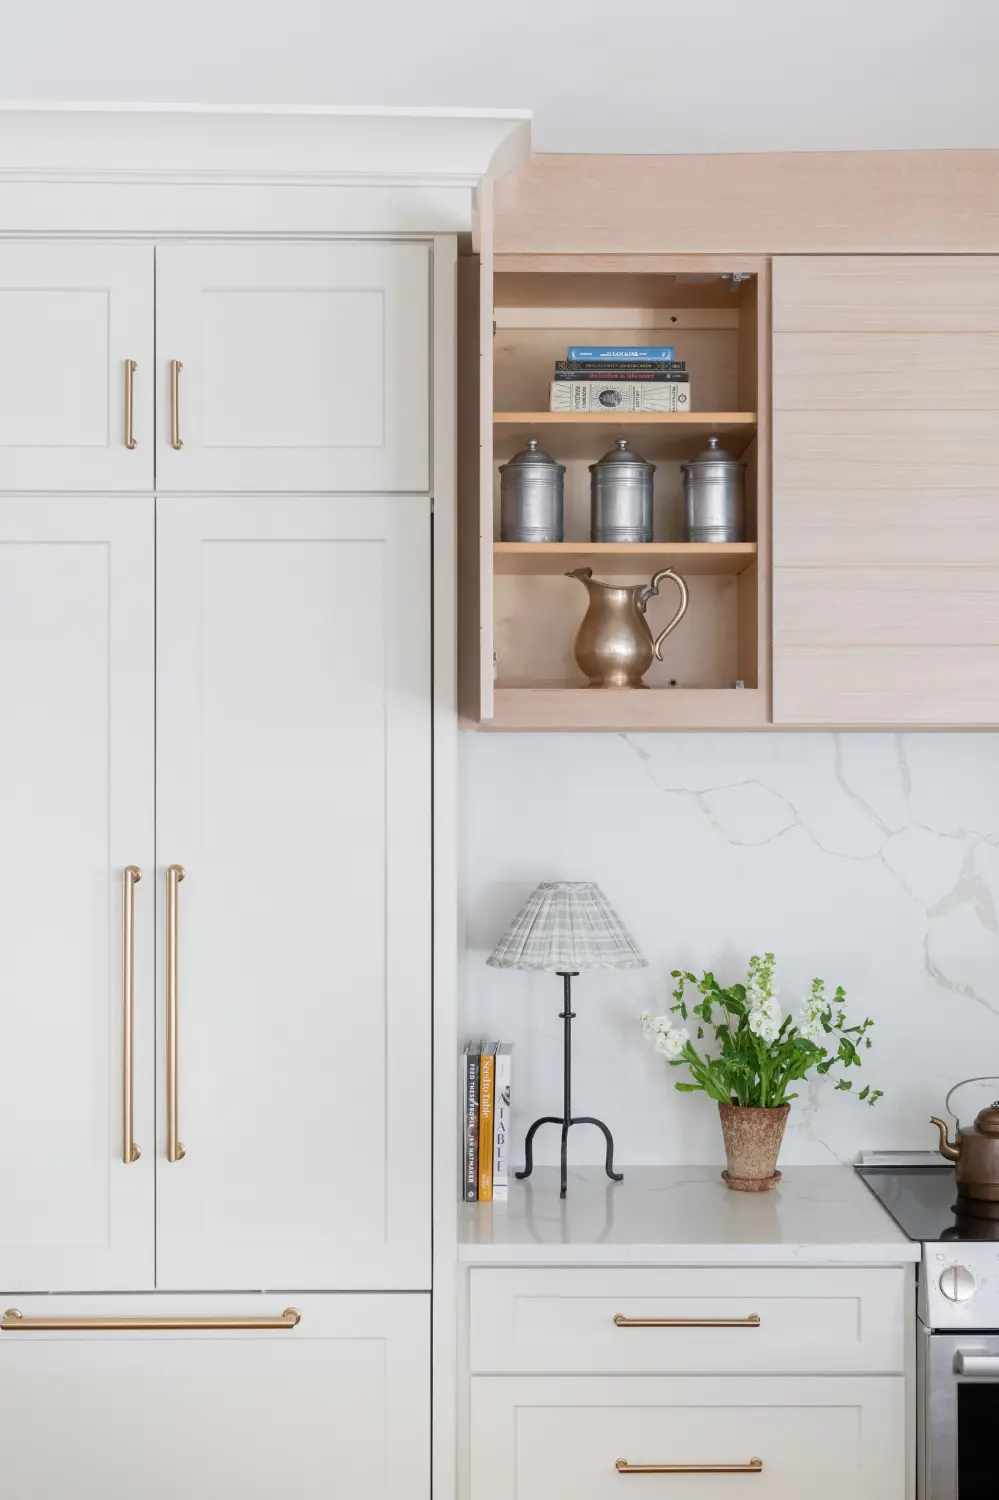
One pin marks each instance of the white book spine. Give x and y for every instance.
(501, 1123)
(620, 396)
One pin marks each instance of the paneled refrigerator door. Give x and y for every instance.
(76, 378)
(335, 1404)
(294, 366)
(76, 812)
(293, 791)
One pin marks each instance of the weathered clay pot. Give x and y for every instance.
(752, 1144)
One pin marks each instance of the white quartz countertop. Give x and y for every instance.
(683, 1216)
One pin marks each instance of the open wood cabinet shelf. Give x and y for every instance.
(519, 613)
(690, 558)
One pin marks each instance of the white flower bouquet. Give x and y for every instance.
(759, 1052)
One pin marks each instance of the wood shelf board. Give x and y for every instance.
(622, 558)
(593, 433)
(628, 709)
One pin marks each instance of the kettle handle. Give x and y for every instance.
(984, 1078)
(681, 608)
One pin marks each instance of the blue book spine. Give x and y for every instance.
(616, 353)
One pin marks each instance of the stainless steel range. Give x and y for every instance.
(957, 1306)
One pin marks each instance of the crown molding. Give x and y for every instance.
(166, 169)
(143, 143)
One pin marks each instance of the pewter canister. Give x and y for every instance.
(531, 497)
(714, 492)
(621, 496)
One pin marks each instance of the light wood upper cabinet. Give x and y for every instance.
(76, 807)
(305, 366)
(72, 314)
(293, 785)
(886, 490)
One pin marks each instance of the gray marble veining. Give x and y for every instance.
(871, 860)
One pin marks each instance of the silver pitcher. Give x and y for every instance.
(614, 647)
(714, 493)
(621, 496)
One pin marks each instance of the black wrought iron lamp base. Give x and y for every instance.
(566, 1120)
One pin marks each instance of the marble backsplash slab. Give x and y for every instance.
(871, 860)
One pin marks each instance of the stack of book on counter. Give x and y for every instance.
(608, 378)
(485, 1091)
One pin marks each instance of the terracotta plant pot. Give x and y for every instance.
(752, 1144)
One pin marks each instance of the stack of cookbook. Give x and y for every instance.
(485, 1090)
(609, 378)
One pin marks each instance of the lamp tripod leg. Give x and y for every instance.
(529, 1144)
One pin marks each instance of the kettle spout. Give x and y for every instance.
(948, 1150)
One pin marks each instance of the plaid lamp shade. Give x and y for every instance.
(567, 925)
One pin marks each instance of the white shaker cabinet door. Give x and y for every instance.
(294, 366)
(76, 331)
(335, 1405)
(293, 787)
(76, 808)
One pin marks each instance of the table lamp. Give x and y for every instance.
(563, 927)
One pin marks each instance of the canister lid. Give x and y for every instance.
(622, 455)
(714, 453)
(532, 457)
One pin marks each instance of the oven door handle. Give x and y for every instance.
(968, 1363)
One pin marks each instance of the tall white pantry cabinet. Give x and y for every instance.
(221, 453)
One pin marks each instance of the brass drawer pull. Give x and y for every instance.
(130, 876)
(755, 1466)
(130, 369)
(14, 1321)
(175, 1148)
(620, 1321)
(176, 440)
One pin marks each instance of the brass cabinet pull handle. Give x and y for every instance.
(620, 1321)
(130, 369)
(14, 1321)
(175, 875)
(755, 1466)
(175, 438)
(131, 875)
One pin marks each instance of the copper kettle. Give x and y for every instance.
(975, 1153)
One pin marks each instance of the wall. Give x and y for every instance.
(767, 77)
(871, 860)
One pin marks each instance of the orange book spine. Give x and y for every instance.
(487, 1069)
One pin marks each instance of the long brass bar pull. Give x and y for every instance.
(14, 1321)
(175, 438)
(753, 1321)
(174, 875)
(130, 369)
(131, 875)
(755, 1466)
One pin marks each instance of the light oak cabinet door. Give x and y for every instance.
(305, 366)
(533, 1437)
(337, 1405)
(76, 807)
(72, 313)
(886, 478)
(293, 787)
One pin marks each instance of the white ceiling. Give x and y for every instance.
(636, 75)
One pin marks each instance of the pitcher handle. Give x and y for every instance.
(681, 609)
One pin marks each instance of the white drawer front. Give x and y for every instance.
(336, 1405)
(835, 1321)
(824, 1438)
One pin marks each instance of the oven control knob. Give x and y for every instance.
(958, 1284)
